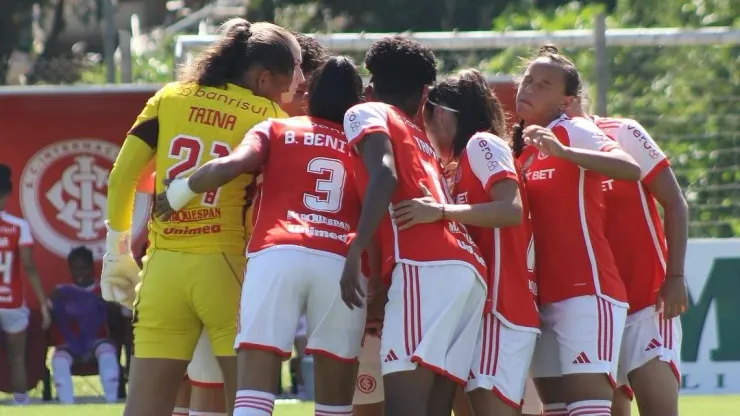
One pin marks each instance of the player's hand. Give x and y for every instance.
(673, 297)
(423, 210)
(350, 283)
(162, 208)
(120, 271)
(45, 317)
(544, 140)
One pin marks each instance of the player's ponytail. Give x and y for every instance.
(241, 46)
(334, 88)
(6, 185)
(517, 139)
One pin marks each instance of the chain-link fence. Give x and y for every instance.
(686, 96)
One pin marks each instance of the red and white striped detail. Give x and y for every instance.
(555, 409)
(590, 408)
(411, 308)
(253, 401)
(606, 330)
(666, 331)
(489, 350)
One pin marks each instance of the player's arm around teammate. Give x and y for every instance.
(650, 262)
(466, 121)
(192, 276)
(583, 304)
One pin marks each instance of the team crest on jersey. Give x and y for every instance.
(541, 156)
(63, 195)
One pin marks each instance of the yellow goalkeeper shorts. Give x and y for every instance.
(180, 294)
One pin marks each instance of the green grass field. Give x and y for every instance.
(89, 387)
(690, 406)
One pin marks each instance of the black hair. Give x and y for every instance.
(334, 88)
(399, 69)
(478, 108)
(313, 55)
(571, 80)
(81, 252)
(6, 185)
(242, 45)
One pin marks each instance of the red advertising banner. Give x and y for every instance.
(60, 143)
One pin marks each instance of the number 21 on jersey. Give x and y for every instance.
(189, 151)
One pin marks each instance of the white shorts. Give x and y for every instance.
(13, 321)
(301, 330)
(281, 285)
(579, 335)
(369, 387)
(501, 360)
(203, 370)
(432, 319)
(648, 336)
(532, 404)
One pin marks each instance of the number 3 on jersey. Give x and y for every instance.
(329, 187)
(188, 150)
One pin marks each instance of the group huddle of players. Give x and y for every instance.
(409, 226)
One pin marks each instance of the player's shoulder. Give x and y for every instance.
(364, 110)
(487, 142)
(13, 221)
(577, 128)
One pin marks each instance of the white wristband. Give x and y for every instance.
(117, 242)
(179, 193)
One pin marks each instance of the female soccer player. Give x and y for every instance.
(583, 300)
(466, 122)
(16, 245)
(193, 271)
(298, 246)
(437, 290)
(650, 262)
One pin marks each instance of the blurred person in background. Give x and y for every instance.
(583, 302)
(80, 330)
(650, 256)
(290, 264)
(192, 275)
(16, 245)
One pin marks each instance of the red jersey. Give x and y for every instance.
(14, 234)
(633, 225)
(441, 242)
(485, 161)
(568, 215)
(303, 154)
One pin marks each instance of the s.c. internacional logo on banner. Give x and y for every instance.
(63, 195)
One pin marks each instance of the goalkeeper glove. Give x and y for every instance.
(120, 271)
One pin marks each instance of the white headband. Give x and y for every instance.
(441, 106)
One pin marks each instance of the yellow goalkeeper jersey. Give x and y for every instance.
(182, 127)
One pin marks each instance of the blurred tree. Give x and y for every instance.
(15, 31)
(685, 96)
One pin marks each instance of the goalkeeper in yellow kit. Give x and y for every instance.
(192, 274)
